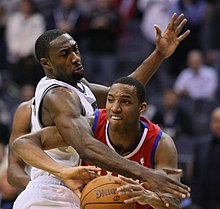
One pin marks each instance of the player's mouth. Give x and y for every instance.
(79, 69)
(115, 117)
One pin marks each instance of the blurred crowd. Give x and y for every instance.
(114, 37)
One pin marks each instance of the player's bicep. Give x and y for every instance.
(61, 102)
(66, 115)
(166, 153)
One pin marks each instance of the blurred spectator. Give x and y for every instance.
(8, 193)
(198, 81)
(9, 96)
(4, 112)
(85, 5)
(195, 11)
(26, 70)
(127, 10)
(155, 12)
(2, 153)
(102, 36)
(213, 59)
(2, 38)
(26, 92)
(4, 125)
(172, 117)
(10, 7)
(45, 7)
(65, 16)
(22, 30)
(206, 167)
(4, 133)
(212, 39)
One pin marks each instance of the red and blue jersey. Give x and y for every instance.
(143, 153)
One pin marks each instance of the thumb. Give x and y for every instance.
(77, 192)
(172, 171)
(158, 30)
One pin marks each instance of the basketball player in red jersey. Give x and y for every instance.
(122, 128)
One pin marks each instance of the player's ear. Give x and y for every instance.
(143, 107)
(45, 63)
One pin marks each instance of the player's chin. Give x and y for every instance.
(114, 121)
(78, 76)
(116, 125)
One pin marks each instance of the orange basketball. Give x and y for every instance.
(100, 193)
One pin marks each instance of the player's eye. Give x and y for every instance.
(65, 53)
(126, 102)
(109, 99)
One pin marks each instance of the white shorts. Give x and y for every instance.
(47, 192)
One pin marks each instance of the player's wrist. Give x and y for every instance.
(60, 172)
(160, 56)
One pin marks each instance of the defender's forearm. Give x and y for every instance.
(32, 153)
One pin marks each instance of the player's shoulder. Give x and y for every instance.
(60, 94)
(25, 105)
(166, 141)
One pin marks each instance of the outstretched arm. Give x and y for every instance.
(166, 44)
(17, 176)
(34, 143)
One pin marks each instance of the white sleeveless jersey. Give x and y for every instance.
(64, 155)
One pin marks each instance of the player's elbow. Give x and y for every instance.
(18, 145)
(10, 176)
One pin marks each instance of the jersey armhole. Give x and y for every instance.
(154, 148)
(95, 120)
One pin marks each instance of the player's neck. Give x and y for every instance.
(125, 140)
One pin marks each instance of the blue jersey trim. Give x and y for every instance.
(154, 149)
(144, 124)
(95, 120)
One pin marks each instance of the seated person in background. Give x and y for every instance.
(197, 81)
(206, 166)
(172, 117)
(8, 193)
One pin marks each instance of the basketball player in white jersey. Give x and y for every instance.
(121, 127)
(62, 100)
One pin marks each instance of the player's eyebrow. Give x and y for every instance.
(127, 96)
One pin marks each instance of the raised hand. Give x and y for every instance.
(167, 42)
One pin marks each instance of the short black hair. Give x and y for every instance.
(141, 91)
(42, 44)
